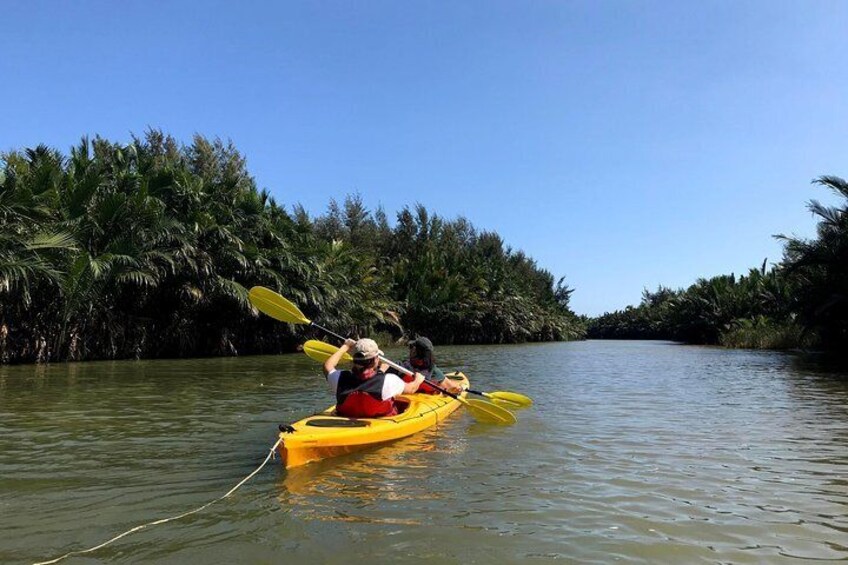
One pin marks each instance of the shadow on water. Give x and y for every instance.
(827, 365)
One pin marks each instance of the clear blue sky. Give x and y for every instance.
(621, 144)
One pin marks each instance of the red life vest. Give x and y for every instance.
(362, 397)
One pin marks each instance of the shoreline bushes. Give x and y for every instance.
(147, 250)
(800, 303)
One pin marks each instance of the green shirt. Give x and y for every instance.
(436, 375)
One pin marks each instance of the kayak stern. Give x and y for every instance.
(325, 435)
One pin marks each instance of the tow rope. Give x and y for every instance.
(166, 520)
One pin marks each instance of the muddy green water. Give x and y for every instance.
(637, 452)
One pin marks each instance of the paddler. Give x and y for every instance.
(423, 360)
(367, 390)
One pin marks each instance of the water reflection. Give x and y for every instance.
(349, 488)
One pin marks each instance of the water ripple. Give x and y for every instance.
(643, 452)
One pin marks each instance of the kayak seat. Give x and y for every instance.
(401, 404)
(338, 423)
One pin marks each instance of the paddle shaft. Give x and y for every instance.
(406, 371)
(391, 364)
(326, 331)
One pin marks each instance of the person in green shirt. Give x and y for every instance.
(422, 360)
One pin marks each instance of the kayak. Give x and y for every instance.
(326, 435)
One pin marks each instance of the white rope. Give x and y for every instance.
(165, 520)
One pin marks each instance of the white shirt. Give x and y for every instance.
(393, 385)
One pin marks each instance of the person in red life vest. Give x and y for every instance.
(367, 390)
(422, 359)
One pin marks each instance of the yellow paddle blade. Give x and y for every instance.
(506, 404)
(509, 399)
(269, 302)
(321, 351)
(489, 413)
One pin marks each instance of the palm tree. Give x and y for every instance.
(819, 269)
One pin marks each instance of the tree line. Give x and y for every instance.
(801, 302)
(147, 249)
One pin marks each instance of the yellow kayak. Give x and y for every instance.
(326, 435)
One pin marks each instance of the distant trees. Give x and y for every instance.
(147, 249)
(452, 283)
(752, 310)
(651, 319)
(801, 302)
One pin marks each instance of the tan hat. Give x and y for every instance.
(365, 349)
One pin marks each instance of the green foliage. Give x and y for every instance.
(721, 310)
(762, 332)
(450, 282)
(649, 320)
(819, 270)
(800, 303)
(147, 249)
(711, 307)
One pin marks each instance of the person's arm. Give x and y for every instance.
(451, 386)
(411, 387)
(438, 377)
(330, 364)
(394, 386)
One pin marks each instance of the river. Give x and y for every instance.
(636, 452)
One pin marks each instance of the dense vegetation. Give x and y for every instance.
(146, 250)
(801, 302)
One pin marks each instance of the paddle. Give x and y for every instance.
(269, 302)
(506, 398)
(321, 351)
